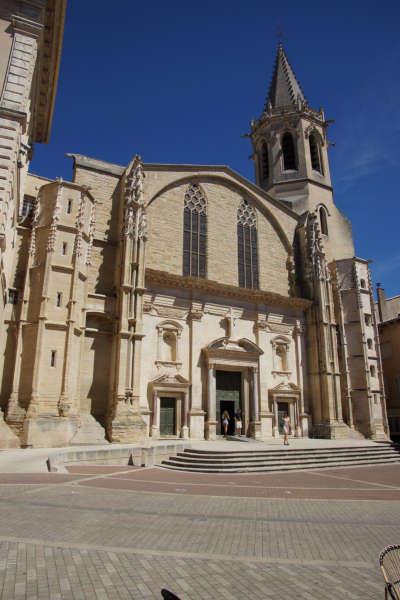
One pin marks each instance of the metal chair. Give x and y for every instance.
(167, 595)
(389, 561)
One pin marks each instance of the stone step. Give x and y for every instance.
(273, 461)
(283, 449)
(208, 461)
(290, 455)
(299, 463)
(275, 468)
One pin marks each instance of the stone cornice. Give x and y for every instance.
(49, 63)
(214, 288)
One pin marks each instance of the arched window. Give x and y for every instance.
(363, 285)
(247, 246)
(372, 371)
(289, 153)
(315, 153)
(369, 343)
(264, 162)
(195, 232)
(323, 220)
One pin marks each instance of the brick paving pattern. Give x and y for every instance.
(71, 537)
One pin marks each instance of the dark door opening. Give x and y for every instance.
(229, 385)
(283, 409)
(167, 416)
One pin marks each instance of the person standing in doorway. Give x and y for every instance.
(225, 422)
(287, 429)
(238, 422)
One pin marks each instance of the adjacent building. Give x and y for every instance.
(388, 318)
(30, 48)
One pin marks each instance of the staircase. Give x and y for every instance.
(247, 461)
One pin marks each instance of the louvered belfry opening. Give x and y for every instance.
(314, 154)
(247, 246)
(195, 232)
(289, 153)
(264, 162)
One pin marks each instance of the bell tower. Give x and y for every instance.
(290, 144)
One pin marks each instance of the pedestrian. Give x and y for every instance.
(225, 422)
(238, 422)
(287, 429)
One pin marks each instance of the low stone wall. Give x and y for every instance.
(138, 456)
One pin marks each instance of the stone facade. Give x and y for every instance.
(115, 335)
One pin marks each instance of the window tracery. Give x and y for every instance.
(195, 232)
(247, 246)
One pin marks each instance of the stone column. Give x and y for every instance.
(256, 424)
(155, 429)
(301, 407)
(196, 415)
(255, 394)
(276, 423)
(211, 404)
(185, 419)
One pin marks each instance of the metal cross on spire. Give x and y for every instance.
(280, 34)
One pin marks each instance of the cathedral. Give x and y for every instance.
(142, 301)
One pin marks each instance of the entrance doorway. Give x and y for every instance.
(283, 409)
(167, 416)
(228, 388)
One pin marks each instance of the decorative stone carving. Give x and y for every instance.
(134, 212)
(92, 223)
(290, 266)
(164, 311)
(278, 327)
(56, 217)
(79, 224)
(35, 219)
(317, 267)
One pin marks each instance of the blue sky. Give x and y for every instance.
(178, 82)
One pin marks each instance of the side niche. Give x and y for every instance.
(280, 356)
(169, 345)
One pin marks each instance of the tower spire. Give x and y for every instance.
(284, 90)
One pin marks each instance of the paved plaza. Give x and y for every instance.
(122, 533)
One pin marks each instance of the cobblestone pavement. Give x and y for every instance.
(71, 540)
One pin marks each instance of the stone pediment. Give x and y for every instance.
(242, 346)
(285, 387)
(173, 379)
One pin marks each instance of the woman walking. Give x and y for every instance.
(225, 422)
(287, 429)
